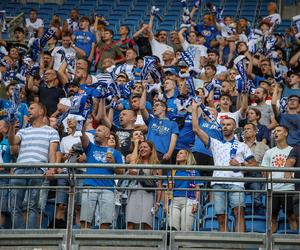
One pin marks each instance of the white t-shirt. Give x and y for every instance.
(273, 18)
(126, 68)
(276, 157)
(235, 115)
(200, 51)
(39, 23)
(221, 155)
(159, 48)
(61, 54)
(68, 141)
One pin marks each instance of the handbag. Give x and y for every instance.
(147, 183)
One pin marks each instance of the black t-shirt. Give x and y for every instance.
(144, 46)
(295, 154)
(50, 98)
(124, 138)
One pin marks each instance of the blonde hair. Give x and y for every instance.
(190, 157)
(153, 159)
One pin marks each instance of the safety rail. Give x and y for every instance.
(162, 234)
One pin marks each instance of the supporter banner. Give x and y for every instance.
(48, 34)
(239, 64)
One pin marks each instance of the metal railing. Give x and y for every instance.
(204, 218)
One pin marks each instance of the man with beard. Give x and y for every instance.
(226, 152)
(267, 115)
(38, 144)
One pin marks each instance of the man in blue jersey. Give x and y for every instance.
(102, 199)
(161, 130)
(84, 39)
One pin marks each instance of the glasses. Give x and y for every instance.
(157, 104)
(265, 65)
(293, 99)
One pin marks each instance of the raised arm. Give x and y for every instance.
(13, 140)
(151, 35)
(276, 96)
(84, 138)
(101, 115)
(144, 111)
(244, 105)
(196, 128)
(180, 34)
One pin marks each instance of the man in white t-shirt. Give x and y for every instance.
(159, 45)
(274, 17)
(276, 157)
(34, 26)
(194, 41)
(225, 105)
(228, 152)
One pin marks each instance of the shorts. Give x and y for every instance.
(221, 199)
(62, 194)
(284, 201)
(103, 200)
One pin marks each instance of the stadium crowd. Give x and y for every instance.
(216, 93)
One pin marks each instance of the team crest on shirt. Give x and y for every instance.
(99, 156)
(206, 33)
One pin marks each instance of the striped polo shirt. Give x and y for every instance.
(35, 144)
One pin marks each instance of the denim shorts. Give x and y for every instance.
(101, 200)
(221, 199)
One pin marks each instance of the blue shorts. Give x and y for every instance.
(221, 199)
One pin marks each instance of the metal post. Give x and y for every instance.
(269, 243)
(70, 216)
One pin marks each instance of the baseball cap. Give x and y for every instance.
(171, 71)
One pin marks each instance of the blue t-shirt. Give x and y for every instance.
(263, 133)
(208, 32)
(97, 154)
(293, 123)
(212, 131)
(84, 41)
(184, 184)
(5, 150)
(186, 136)
(22, 110)
(160, 132)
(172, 108)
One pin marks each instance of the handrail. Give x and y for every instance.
(149, 166)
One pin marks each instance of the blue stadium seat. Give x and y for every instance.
(210, 223)
(255, 223)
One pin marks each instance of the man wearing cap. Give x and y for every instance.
(84, 39)
(161, 130)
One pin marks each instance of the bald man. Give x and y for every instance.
(101, 199)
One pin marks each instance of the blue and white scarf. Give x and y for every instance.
(239, 64)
